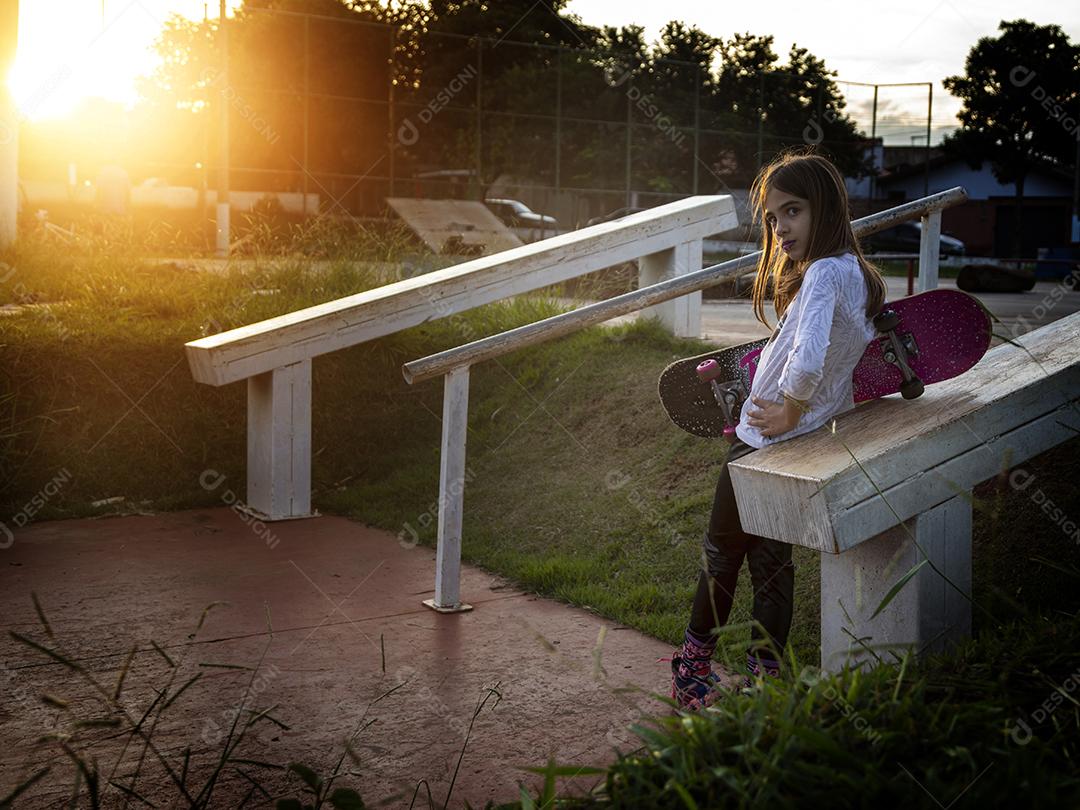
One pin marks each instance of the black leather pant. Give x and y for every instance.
(772, 573)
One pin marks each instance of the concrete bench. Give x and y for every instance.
(890, 488)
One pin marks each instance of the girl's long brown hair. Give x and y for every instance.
(813, 178)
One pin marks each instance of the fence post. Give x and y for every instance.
(307, 110)
(390, 132)
(279, 442)
(479, 118)
(629, 148)
(222, 218)
(452, 479)
(697, 125)
(558, 122)
(929, 249)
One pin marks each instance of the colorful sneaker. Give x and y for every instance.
(695, 688)
(758, 666)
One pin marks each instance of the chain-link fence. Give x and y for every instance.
(330, 116)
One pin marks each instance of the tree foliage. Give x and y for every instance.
(1019, 91)
(1021, 103)
(698, 104)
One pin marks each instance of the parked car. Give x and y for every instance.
(618, 213)
(515, 214)
(905, 238)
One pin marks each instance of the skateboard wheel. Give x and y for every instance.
(729, 432)
(886, 320)
(708, 370)
(910, 389)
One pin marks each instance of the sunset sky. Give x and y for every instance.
(69, 50)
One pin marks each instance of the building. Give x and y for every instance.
(985, 222)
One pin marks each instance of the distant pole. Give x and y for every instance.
(929, 115)
(307, 115)
(9, 126)
(629, 150)
(558, 121)
(1076, 196)
(697, 124)
(873, 145)
(390, 131)
(223, 169)
(761, 119)
(204, 164)
(479, 118)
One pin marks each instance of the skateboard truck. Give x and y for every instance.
(900, 349)
(727, 394)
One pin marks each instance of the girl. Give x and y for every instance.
(825, 294)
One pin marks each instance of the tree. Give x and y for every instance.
(462, 84)
(676, 85)
(764, 107)
(472, 44)
(1018, 91)
(341, 53)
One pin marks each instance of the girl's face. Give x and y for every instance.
(789, 218)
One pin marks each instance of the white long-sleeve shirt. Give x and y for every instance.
(820, 340)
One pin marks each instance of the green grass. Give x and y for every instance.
(994, 721)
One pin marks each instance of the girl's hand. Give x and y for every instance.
(772, 418)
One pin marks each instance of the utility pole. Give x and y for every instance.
(9, 127)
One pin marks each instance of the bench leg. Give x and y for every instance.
(927, 615)
(279, 443)
(451, 493)
(682, 316)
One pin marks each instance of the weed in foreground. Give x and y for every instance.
(104, 713)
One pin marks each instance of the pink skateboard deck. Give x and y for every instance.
(921, 340)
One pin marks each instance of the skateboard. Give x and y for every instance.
(921, 340)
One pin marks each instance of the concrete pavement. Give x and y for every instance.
(323, 618)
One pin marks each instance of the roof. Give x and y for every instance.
(906, 171)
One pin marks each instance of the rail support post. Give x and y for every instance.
(452, 480)
(279, 442)
(926, 615)
(929, 251)
(681, 316)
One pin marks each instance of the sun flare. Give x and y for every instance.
(71, 51)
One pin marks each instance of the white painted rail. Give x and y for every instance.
(891, 486)
(455, 363)
(274, 355)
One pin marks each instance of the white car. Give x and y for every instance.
(515, 214)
